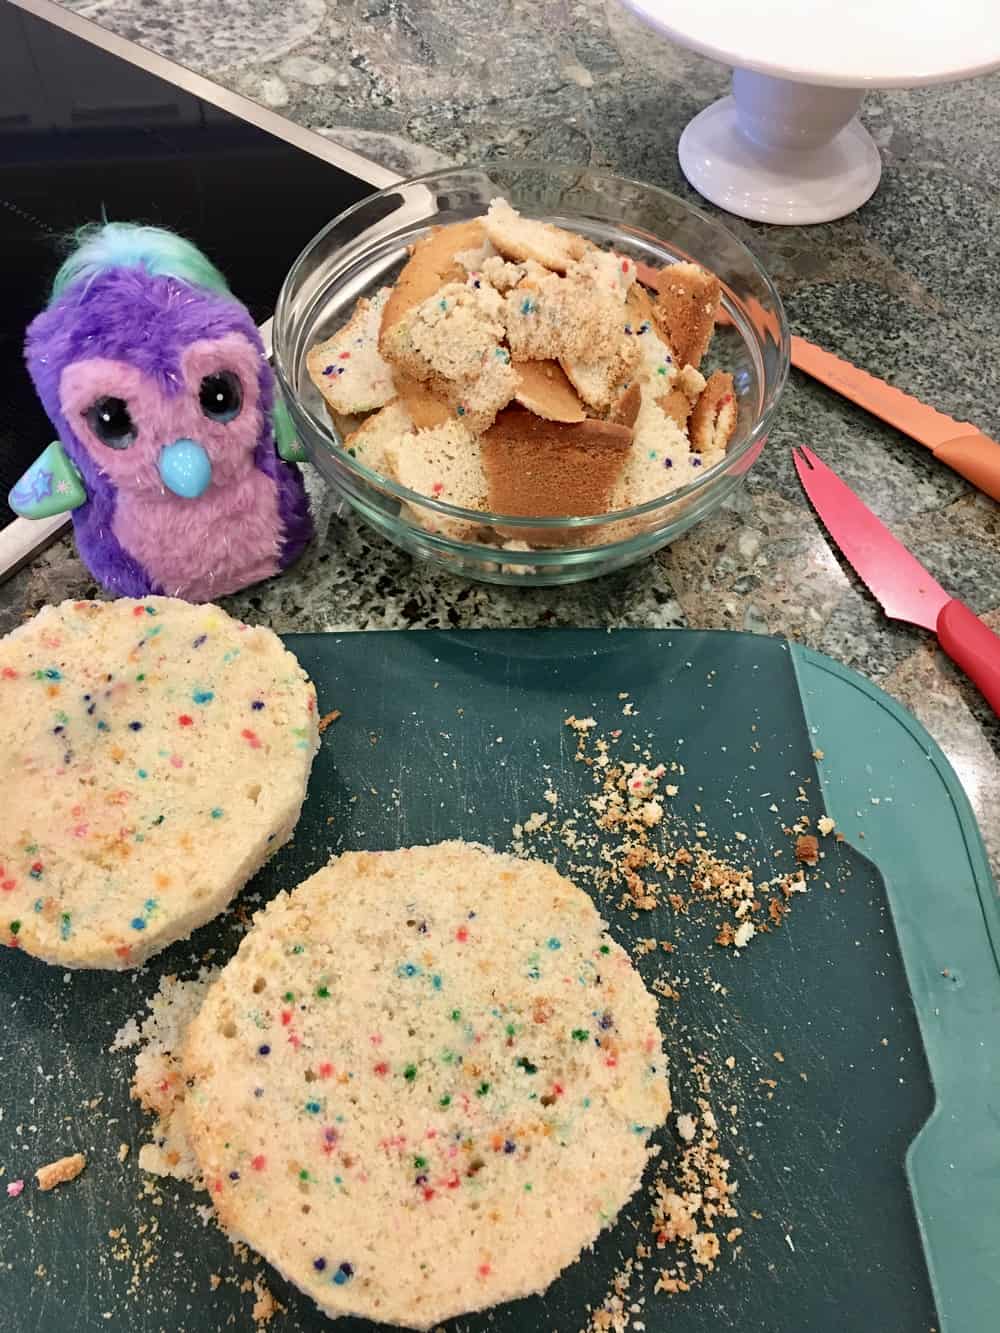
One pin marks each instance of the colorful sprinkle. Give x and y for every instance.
(580, 1034)
(203, 696)
(343, 1274)
(319, 1265)
(185, 720)
(257, 705)
(216, 813)
(410, 1073)
(554, 943)
(135, 726)
(251, 737)
(14, 1188)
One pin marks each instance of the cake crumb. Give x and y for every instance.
(265, 1306)
(826, 825)
(687, 1127)
(14, 1188)
(328, 719)
(745, 932)
(61, 1171)
(807, 849)
(123, 1151)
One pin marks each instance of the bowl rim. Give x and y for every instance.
(487, 518)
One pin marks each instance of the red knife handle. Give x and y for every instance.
(973, 646)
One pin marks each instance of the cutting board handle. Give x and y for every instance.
(973, 646)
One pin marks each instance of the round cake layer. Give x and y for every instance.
(153, 755)
(425, 1082)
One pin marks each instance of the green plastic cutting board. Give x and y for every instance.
(447, 734)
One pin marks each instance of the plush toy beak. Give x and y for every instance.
(185, 468)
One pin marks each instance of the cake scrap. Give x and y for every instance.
(506, 332)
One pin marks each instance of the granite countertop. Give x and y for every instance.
(907, 287)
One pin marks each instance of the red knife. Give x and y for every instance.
(899, 581)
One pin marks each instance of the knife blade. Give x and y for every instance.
(958, 444)
(903, 587)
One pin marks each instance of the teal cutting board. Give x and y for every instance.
(876, 1177)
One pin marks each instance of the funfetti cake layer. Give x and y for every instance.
(153, 755)
(425, 1082)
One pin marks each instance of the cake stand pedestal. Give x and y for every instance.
(787, 145)
(779, 151)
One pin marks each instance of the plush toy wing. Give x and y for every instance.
(50, 486)
(286, 441)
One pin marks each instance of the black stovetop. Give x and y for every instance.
(85, 135)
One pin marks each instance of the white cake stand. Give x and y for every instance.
(787, 145)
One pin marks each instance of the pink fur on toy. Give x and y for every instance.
(163, 531)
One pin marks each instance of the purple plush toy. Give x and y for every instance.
(171, 444)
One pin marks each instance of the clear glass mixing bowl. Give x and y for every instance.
(365, 248)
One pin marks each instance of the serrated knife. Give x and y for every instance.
(898, 580)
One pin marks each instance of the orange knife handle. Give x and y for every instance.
(973, 646)
(976, 458)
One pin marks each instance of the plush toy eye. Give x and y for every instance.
(221, 396)
(110, 421)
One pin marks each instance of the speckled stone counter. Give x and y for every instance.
(908, 287)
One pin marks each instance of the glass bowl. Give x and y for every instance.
(366, 247)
